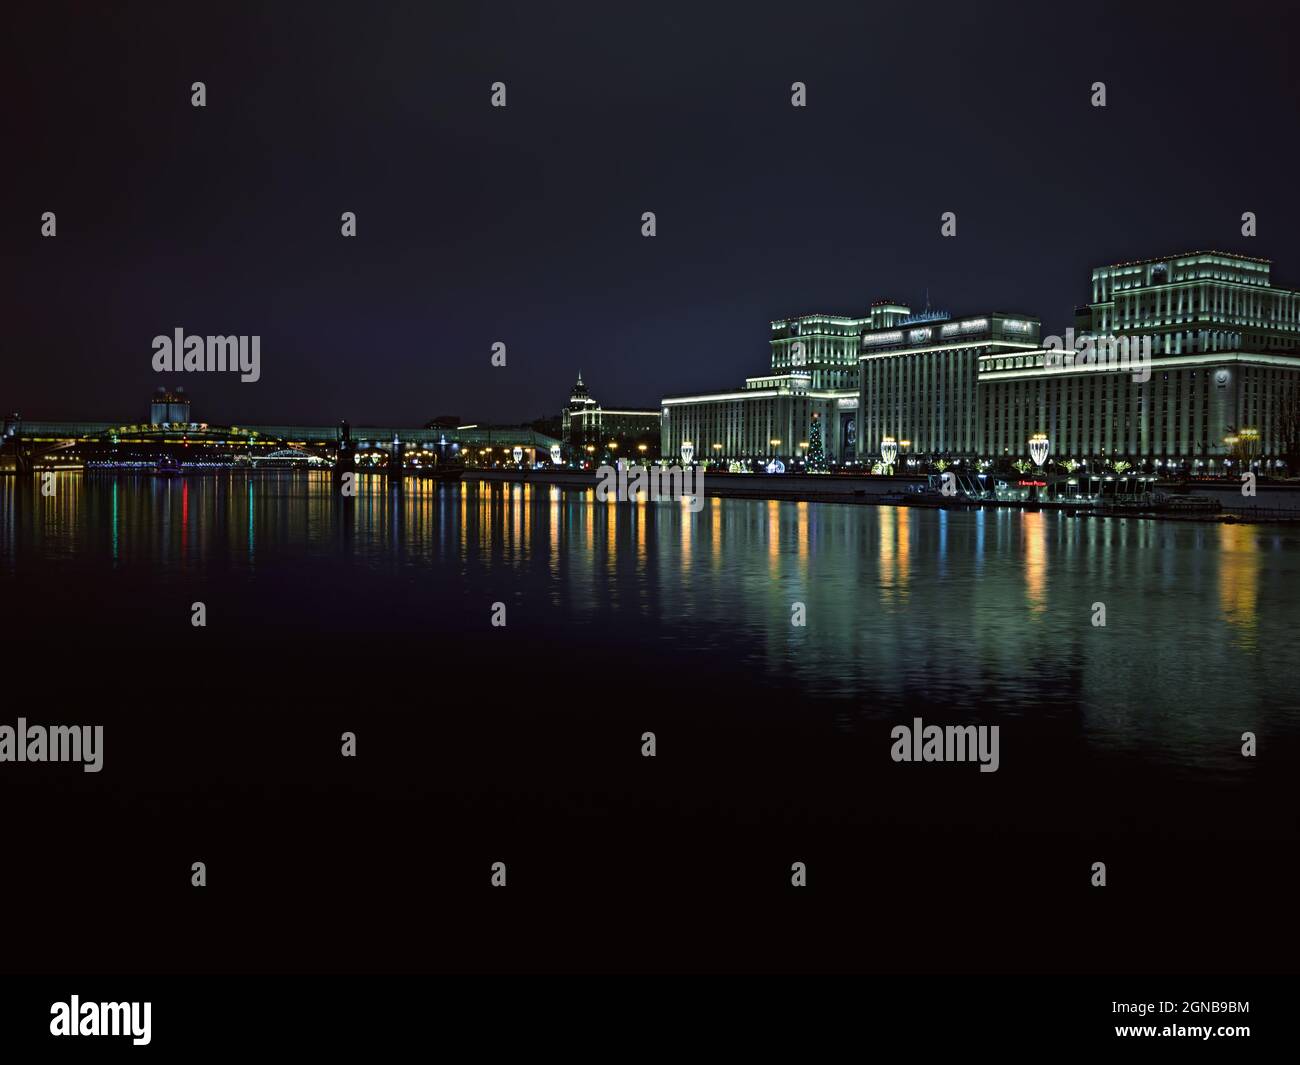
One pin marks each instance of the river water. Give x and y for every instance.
(376, 615)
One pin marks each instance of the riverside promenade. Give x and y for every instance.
(1271, 501)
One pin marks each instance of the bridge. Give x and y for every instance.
(290, 456)
(29, 444)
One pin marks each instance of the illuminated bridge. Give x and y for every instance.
(27, 444)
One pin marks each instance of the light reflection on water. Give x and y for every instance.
(983, 611)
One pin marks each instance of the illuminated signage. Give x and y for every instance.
(918, 335)
(872, 339)
(969, 326)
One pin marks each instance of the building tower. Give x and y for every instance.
(572, 421)
(169, 407)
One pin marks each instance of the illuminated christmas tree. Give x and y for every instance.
(816, 453)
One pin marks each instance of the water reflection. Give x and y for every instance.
(774, 535)
(1033, 526)
(1239, 581)
(966, 609)
(895, 553)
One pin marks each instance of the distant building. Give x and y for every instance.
(169, 407)
(585, 423)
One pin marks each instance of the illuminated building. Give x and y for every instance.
(1221, 382)
(169, 407)
(1224, 364)
(814, 360)
(920, 382)
(585, 422)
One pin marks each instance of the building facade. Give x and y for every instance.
(585, 424)
(814, 360)
(1187, 361)
(167, 407)
(1208, 373)
(920, 381)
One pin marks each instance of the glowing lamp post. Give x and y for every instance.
(888, 450)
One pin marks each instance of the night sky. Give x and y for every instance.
(523, 225)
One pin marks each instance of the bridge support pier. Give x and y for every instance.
(396, 460)
(346, 460)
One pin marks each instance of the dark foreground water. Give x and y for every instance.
(522, 743)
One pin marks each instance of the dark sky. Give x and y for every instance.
(523, 225)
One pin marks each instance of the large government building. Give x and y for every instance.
(1175, 361)
(814, 372)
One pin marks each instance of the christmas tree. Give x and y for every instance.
(816, 453)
